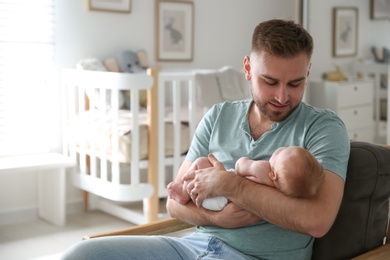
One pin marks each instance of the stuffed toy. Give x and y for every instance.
(128, 62)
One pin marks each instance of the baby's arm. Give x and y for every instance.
(257, 171)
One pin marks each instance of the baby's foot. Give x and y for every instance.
(177, 193)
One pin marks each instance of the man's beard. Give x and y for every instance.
(274, 116)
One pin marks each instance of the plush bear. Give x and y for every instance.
(128, 62)
(95, 64)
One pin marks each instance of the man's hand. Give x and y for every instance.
(205, 183)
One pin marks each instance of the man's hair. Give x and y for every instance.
(282, 38)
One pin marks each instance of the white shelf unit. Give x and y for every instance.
(375, 70)
(352, 101)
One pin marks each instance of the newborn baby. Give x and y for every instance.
(290, 170)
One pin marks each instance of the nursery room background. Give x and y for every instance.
(222, 31)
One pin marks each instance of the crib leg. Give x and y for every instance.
(85, 193)
(85, 198)
(153, 201)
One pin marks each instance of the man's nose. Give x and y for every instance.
(281, 94)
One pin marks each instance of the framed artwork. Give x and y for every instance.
(345, 25)
(110, 5)
(299, 11)
(380, 9)
(174, 30)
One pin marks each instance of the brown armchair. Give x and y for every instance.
(362, 224)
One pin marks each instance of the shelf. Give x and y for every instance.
(376, 70)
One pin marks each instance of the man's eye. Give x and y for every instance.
(294, 84)
(271, 83)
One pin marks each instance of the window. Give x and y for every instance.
(26, 70)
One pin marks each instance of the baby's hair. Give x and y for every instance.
(308, 179)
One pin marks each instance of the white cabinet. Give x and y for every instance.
(379, 72)
(351, 101)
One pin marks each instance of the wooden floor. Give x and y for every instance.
(38, 239)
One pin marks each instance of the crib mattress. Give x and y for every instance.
(91, 133)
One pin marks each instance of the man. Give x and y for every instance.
(260, 222)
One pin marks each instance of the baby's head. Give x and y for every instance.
(296, 172)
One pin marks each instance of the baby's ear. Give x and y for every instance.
(273, 176)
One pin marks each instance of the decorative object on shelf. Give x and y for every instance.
(174, 30)
(345, 27)
(380, 9)
(123, 6)
(381, 55)
(336, 75)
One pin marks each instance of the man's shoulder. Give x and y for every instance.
(234, 105)
(311, 118)
(315, 110)
(244, 102)
(310, 112)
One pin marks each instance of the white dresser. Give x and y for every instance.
(351, 101)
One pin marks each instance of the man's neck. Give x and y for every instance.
(258, 123)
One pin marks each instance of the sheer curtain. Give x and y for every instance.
(26, 76)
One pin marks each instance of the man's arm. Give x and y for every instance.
(313, 216)
(230, 217)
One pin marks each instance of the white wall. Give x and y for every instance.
(370, 33)
(222, 36)
(222, 31)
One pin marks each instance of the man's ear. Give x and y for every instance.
(308, 71)
(247, 68)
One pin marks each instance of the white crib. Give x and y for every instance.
(103, 169)
(130, 156)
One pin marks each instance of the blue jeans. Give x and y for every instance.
(153, 247)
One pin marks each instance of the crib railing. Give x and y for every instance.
(99, 176)
(99, 171)
(176, 89)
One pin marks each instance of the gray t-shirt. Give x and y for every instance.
(224, 131)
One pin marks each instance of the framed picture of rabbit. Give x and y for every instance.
(345, 29)
(174, 30)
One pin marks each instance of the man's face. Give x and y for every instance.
(278, 84)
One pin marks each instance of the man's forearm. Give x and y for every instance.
(229, 217)
(312, 216)
(190, 213)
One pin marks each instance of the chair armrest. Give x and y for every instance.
(380, 253)
(159, 227)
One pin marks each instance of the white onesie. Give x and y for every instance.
(216, 203)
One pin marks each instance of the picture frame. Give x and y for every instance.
(299, 11)
(174, 30)
(380, 9)
(123, 6)
(345, 29)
